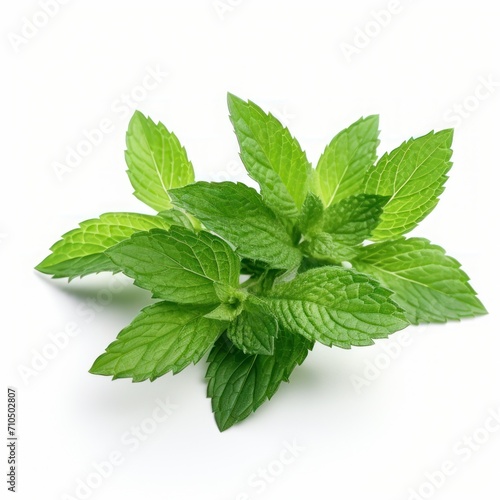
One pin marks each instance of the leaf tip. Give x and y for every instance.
(447, 135)
(233, 102)
(372, 118)
(41, 268)
(99, 367)
(223, 424)
(232, 97)
(94, 370)
(138, 116)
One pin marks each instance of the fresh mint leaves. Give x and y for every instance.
(239, 383)
(156, 161)
(346, 160)
(336, 306)
(164, 337)
(238, 214)
(413, 177)
(178, 265)
(272, 157)
(255, 279)
(81, 251)
(429, 285)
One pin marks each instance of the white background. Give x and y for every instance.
(378, 442)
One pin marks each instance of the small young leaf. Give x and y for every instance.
(227, 311)
(429, 284)
(413, 176)
(223, 312)
(311, 217)
(156, 161)
(164, 338)
(80, 252)
(178, 265)
(272, 157)
(336, 306)
(238, 214)
(345, 161)
(352, 220)
(239, 383)
(255, 329)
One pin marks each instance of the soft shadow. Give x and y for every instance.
(306, 375)
(124, 294)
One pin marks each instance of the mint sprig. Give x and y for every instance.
(255, 279)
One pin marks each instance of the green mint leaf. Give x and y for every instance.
(311, 217)
(239, 383)
(237, 213)
(345, 161)
(413, 176)
(80, 251)
(164, 338)
(427, 283)
(271, 156)
(156, 161)
(336, 306)
(324, 247)
(178, 265)
(255, 329)
(352, 220)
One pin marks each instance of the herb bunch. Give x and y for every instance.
(255, 279)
